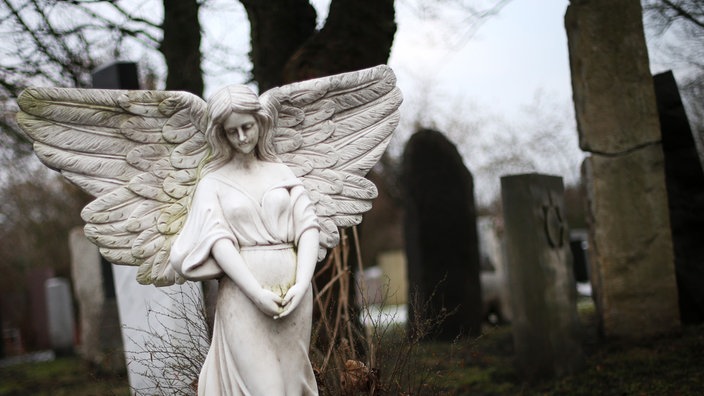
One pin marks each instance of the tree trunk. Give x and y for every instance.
(287, 48)
(278, 29)
(357, 34)
(181, 46)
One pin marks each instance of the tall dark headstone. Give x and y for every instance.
(543, 292)
(685, 192)
(118, 75)
(441, 235)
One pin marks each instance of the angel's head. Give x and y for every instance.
(237, 99)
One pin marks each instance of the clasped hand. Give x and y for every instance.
(276, 306)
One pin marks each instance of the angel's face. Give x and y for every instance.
(242, 131)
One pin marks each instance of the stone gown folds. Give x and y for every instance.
(251, 353)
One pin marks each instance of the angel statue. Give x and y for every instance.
(247, 189)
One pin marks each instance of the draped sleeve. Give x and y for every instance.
(304, 217)
(190, 253)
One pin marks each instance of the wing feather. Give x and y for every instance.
(102, 166)
(94, 186)
(144, 216)
(119, 256)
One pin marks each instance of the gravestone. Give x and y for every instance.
(441, 236)
(38, 334)
(631, 256)
(685, 192)
(539, 265)
(116, 75)
(580, 259)
(100, 338)
(492, 275)
(393, 263)
(59, 307)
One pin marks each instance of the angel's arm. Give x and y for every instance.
(231, 262)
(307, 252)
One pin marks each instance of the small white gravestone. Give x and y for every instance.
(60, 315)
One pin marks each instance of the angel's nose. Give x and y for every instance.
(241, 135)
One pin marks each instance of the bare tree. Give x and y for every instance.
(676, 39)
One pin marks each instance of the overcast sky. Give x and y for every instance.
(513, 55)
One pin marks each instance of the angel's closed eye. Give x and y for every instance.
(244, 127)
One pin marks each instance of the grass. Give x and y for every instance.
(670, 365)
(63, 376)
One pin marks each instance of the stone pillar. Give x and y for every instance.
(630, 241)
(685, 192)
(543, 292)
(441, 236)
(100, 337)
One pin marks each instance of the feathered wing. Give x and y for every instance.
(331, 131)
(136, 151)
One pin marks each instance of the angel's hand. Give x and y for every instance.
(293, 297)
(268, 302)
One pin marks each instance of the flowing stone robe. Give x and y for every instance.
(251, 353)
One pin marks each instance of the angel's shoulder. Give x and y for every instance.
(209, 182)
(280, 171)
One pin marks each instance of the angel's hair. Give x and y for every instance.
(236, 99)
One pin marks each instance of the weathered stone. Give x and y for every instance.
(612, 87)
(543, 292)
(99, 323)
(441, 235)
(630, 244)
(685, 192)
(632, 264)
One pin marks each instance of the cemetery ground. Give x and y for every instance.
(667, 365)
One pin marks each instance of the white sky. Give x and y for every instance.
(512, 56)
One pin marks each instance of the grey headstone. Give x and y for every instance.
(60, 315)
(543, 292)
(100, 338)
(631, 256)
(441, 235)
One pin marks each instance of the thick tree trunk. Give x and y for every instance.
(181, 46)
(287, 48)
(357, 34)
(278, 29)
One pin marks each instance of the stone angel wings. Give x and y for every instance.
(139, 153)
